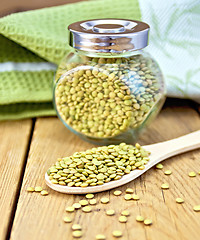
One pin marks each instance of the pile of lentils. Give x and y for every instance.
(105, 97)
(98, 165)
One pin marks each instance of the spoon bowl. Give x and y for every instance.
(159, 152)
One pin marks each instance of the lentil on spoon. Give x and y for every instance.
(98, 165)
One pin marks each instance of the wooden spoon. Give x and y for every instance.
(159, 152)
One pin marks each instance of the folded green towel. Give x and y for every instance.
(33, 43)
(39, 37)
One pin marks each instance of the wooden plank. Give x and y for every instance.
(40, 217)
(12, 6)
(13, 147)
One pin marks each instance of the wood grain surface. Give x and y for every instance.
(12, 6)
(14, 139)
(39, 217)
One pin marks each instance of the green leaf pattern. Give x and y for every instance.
(175, 43)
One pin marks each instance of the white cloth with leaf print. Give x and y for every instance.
(175, 43)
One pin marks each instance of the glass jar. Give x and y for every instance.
(107, 90)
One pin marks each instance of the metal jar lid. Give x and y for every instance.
(108, 35)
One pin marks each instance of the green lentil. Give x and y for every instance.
(98, 166)
(192, 174)
(159, 166)
(110, 212)
(117, 193)
(30, 189)
(148, 222)
(123, 219)
(69, 209)
(125, 213)
(196, 208)
(135, 197)
(105, 200)
(76, 205)
(117, 233)
(67, 219)
(89, 195)
(87, 209)
(93, 201)
(76, 227)
(44, 193)
(88, 87)
(38, 189)
(83, 202)
(168, 172)
(139, 218)
(127, 197)
(54, 181)
(137, 145)
(179, 200)
(129, 190)
(165, 186)
(100, 237)
(77, 234)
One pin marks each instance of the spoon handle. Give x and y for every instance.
(163, 150)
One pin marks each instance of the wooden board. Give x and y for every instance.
(12, 6)
(14, 139)
(40, 217)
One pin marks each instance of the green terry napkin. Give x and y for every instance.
(29, 41)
